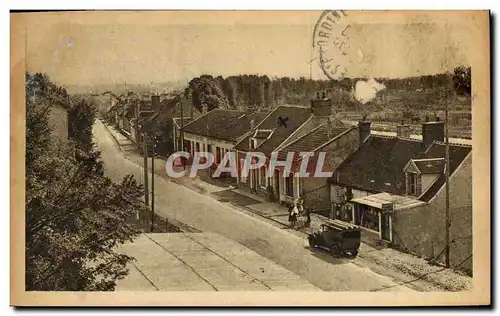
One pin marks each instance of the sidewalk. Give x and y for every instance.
(403, 267)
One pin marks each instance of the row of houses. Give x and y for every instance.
(391, 187)
(154, 115)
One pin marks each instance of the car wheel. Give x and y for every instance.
(352, 254)
(334, 250)
(311, 242)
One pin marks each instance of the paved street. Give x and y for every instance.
(202, 262)
(277, 244)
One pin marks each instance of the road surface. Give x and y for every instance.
(277, 244)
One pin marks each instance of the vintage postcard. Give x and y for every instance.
(250, 158)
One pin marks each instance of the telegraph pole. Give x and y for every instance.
(153, 185)
(146, 183)
(447, 187)
(182, 125)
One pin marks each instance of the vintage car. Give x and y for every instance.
(338, 237)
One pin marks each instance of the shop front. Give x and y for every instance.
(343, 212)
(374, 213)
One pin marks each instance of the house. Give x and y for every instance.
(178, 124)
(218, 131)
(158, 122)
(274, 131)
(332, 138)
(394, 188)
(314, 130)
(128, 113)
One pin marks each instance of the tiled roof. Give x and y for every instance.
(378, 164)
(262, 134)
(437, 150)
(311, 124)
(242, 126)
(284, 120)
(430, 166)
(222, 124)
(128, 110)
(312, 140)
(177, 121)
(159, 116)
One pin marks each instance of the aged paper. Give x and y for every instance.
(385, 116)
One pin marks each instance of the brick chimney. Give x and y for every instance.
(364, 130)
(432, 131)
(155, 102)
(403, 130)
(321, 105)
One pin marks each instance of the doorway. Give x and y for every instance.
(253, 183)
(386, 227)
(277, 183)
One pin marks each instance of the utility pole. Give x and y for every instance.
(182, 124)
(206, 150)
(447, 187)
(146, 183)
(153, 185)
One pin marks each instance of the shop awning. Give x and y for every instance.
(387, 201)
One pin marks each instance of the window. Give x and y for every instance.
(412, 183)
(262, 177)
(289, 185)
(369, 218)
(348, 194)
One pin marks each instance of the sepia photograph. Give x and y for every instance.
(283, 158)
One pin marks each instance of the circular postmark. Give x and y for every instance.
(331, 43)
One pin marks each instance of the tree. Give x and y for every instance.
(75, 216)
(81, 116)
(207, 90)
(462, 80)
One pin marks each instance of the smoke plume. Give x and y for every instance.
(365, 91)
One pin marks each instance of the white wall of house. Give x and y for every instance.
(286, 196)
(203, 141)
(335, 193)
(359, 193)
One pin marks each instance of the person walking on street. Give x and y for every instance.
(292, 217)
(308, 218)
(303, 211)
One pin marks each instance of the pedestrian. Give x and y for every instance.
(293, 211)
(308, 218)
(300, 205)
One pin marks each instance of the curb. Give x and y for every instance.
(117, 143)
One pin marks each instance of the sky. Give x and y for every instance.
(108, 47)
